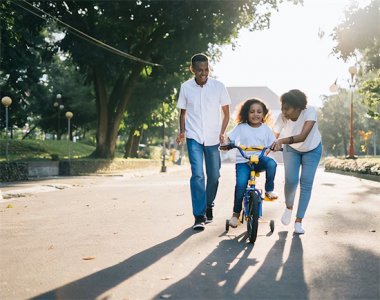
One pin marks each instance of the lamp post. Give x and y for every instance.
(163, 167)
(69, 115)
(6, 101)
(57, 104)
(353, 71)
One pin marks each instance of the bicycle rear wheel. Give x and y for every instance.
(253, 216)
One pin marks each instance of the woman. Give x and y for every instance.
(301, 142)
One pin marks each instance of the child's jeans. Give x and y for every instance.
(243, 172)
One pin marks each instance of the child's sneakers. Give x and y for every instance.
(286, 216)
(271, 196)
(234, 221)
(298, 228)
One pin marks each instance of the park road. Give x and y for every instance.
(129, 236)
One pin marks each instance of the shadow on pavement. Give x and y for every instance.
(94, 285)
(221, 274)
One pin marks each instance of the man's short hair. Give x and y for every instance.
(200, 57)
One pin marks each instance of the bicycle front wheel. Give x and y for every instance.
(253, 216)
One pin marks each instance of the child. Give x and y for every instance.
(251, 131)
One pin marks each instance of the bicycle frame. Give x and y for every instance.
(253, 160)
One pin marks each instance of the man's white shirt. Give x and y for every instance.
(203, 109)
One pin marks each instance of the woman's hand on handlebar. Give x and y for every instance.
(276, 145)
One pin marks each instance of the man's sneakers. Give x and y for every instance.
(199, 223)
(298, 228)
(286, 216)
(209, 216)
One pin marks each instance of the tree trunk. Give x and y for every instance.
(132, 145)
(135, 145)
(128, 144)
(102, 115)
(111, 110)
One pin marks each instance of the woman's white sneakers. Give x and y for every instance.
(298, 228)
(286, 216)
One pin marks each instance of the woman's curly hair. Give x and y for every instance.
(295, 99)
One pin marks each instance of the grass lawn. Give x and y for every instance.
(39, 149)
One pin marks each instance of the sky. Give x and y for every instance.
(290, 54)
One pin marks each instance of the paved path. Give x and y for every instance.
(129, 237)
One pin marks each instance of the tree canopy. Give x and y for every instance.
(359, 36)
(135, 53)
(167, 33)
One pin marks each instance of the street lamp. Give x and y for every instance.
(353, 71)
(57, 104)
(163, 167)
(6, 101)
(69, 115)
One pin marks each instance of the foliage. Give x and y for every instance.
(360, 31)
(163, 32)
(334, 123)
(370, 89)
(24, 56)
(63, 77)
(367, 165)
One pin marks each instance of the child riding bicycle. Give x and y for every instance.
(252, 130)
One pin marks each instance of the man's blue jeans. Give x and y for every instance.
(243, 173)
(202, 196)
(293, 160)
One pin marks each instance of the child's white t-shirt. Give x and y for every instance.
(286, 128)
(244, 134)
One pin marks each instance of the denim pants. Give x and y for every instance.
(308, 162)
(243, 173)
(203, 195)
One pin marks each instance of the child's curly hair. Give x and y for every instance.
(242, 116)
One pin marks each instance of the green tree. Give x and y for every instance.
(370, 90)
(25, 54)
(360, 31)
(164, 32)
(63, 77)
(334, 123)
(359, 36)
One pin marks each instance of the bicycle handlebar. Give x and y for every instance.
(242, 149)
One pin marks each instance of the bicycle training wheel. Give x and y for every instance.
(253, 216)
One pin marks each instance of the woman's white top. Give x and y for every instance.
(244, 134)
(286, 128)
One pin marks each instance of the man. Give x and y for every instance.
(201, 100)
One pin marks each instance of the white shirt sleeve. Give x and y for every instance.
(182, 102)
(234, 134)
(270, 137)
(279, 125)
(224, 96)
(310, 114)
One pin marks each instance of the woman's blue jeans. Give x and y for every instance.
(203, 195)
(308, 163)
(243, 173)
